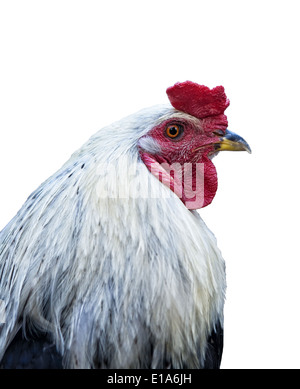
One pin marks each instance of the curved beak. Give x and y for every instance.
(232, 142)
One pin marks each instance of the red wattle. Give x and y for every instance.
(195, 184)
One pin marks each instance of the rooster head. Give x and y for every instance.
(179, 149)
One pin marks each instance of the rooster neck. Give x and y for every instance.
(122, 264)
(163, 253)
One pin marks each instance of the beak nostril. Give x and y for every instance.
(219, 132)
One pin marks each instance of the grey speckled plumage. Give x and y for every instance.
(114, 281)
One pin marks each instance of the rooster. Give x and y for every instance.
(108, 264)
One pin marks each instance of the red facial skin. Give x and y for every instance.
(199, 134)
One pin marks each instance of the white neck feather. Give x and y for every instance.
(106, 271)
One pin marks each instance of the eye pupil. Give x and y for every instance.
(173, 130)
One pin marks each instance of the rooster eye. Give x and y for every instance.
(174, 130)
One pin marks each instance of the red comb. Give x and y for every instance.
(198, 100)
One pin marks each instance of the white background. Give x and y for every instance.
(68, 68)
